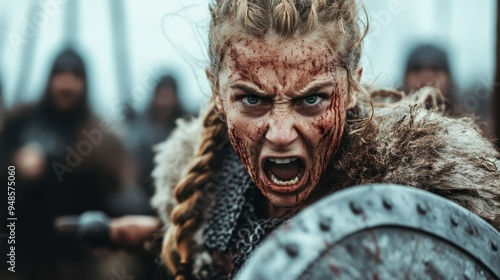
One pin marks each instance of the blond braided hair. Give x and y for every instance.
(189, 192)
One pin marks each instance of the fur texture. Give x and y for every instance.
(408, 142)
(172, 157)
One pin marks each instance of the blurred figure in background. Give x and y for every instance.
(153, 127)
(66, 164)
(428, 66)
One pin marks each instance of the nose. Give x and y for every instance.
(281, 131)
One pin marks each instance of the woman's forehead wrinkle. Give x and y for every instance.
(279, 68)
(242, 64)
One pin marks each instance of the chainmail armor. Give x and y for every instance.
(234, 225)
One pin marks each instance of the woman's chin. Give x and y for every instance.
(284, 201)
(282, 205)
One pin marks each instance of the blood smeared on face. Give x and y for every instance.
(284, 103)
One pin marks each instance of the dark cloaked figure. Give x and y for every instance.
(65, 165)
(154, 126)
(428, 65)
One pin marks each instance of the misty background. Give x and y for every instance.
(127, 45)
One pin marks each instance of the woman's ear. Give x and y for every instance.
(213, 85)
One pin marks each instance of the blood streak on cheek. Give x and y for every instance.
(336, 96)
(239, 146)
(330, 126)
(245, 151)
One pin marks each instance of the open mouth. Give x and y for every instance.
(284, 172)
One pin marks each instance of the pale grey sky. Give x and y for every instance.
(465, 27)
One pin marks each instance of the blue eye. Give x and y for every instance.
(251, 100)
(312, 100)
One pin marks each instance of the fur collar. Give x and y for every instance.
(404, 144)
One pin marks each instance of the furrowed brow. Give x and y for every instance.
(249, 89)
(314, 88)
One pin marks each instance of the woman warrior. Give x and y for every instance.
(289, 123)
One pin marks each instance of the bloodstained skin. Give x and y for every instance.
(278, 70)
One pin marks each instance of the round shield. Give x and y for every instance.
(379, 232)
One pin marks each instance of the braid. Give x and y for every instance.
(338, 20)
(286, 18)
(312, 16)
(186, 216)
(253, 15)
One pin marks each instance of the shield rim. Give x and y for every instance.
(367, 207)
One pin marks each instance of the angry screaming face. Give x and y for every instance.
(284, 103)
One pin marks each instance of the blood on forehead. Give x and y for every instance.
(290, 65)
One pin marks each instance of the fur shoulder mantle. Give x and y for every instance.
(405, 143)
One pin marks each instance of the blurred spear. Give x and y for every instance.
(121, 53)
(71, 22)
(27, 40)
(3, 34)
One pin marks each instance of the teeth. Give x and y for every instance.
(282, 160)
(284, 183)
